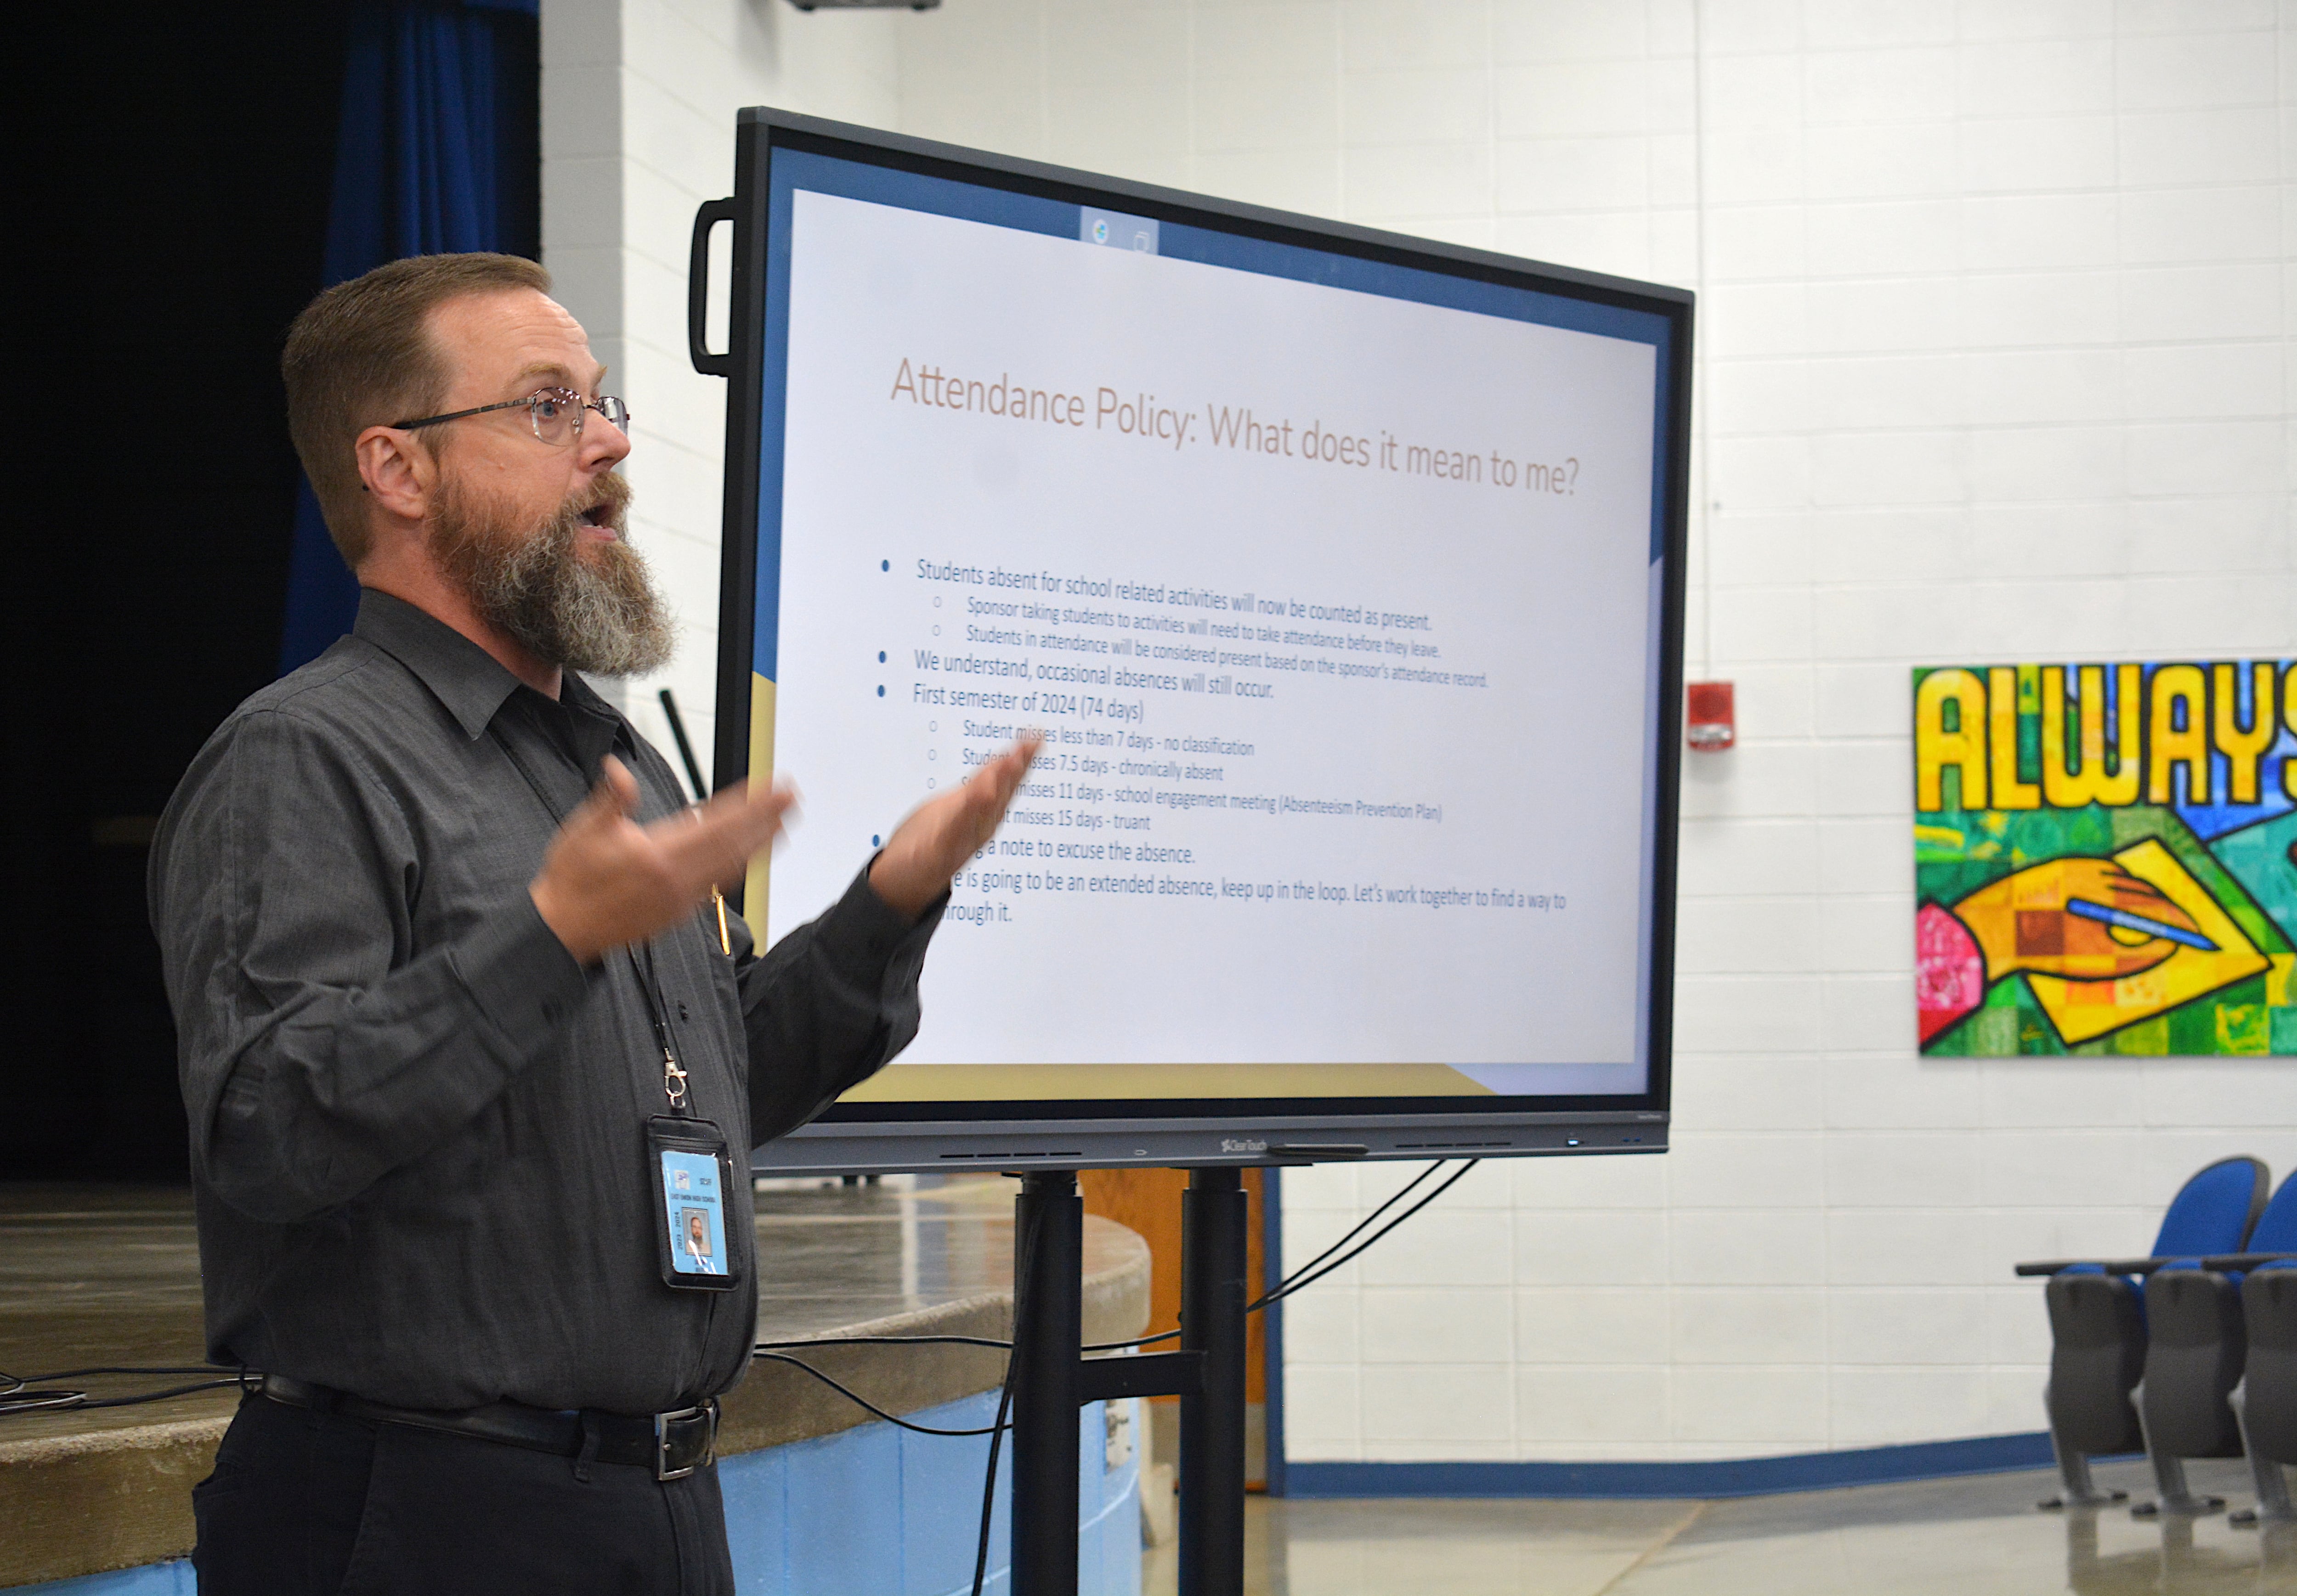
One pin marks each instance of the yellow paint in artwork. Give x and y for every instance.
(2084, 1009)
(2066, 788)
(762, 769)
(2167, 744)
(2002, 738)
(2276, 980)
(1939, 748)
(2145, 990)
(1938, 837)
(2243, 749)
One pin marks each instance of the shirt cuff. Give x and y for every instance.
(862, 933)
(519, 974)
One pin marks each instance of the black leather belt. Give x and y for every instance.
(673, 1444)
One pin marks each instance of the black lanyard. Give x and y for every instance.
(673, 1073)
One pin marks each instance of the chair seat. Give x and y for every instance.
(2269, 1306)
(2194, 1360)
(2097, 1355)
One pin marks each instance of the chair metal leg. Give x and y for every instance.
(2073, 1471)
(2169, 1477)
(2273, 1503)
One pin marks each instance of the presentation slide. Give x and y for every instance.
(1338, 614)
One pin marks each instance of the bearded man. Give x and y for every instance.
(455, 1015)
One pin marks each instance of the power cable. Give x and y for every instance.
(1027, 1268)
(1304, 1278)
(15, 1382)
(19, 1393)
(1118, 1346)
(1408, 1188)
(989, 1484)
(862, 1402)
(885, 1341)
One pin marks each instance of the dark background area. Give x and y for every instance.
(172, 214)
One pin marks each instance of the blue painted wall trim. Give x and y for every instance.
(1738, 1476)
(171, 1578)
(879, 1511)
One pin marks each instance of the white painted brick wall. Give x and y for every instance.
(1993, 321)
(1995, 303)
(638, 104)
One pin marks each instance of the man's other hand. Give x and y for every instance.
(933, 845)
(608, 881)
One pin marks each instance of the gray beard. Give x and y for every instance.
(596, 613)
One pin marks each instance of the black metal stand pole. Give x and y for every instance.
(1052, 1380)
(1213, 1215)
(1048, 1386)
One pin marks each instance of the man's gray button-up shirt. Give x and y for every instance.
(416, 1123)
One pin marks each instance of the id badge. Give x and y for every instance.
(692, 1177)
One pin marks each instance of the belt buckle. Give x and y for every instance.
(706, 1414)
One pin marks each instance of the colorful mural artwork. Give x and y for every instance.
(2105, 859)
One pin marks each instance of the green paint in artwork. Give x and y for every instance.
(1992, 1032)
(2257, 857)
(2147, 1039)
(2243, 1028)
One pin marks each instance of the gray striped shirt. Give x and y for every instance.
(417, 1124)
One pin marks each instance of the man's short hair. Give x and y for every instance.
(361, 355)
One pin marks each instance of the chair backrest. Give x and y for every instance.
(2276, 1227)
(2215, 1211)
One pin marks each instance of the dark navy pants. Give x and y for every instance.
(306, 1503)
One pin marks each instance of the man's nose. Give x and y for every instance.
(603, 443)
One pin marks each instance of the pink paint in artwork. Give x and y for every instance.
(1949, 972)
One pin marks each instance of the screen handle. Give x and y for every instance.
(697, 291)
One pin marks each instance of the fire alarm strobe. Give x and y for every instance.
(1709, 718)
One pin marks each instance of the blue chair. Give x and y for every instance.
(2189, 1403)
(2097, 1323)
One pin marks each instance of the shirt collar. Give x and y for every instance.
(593, 728)
(470, 682)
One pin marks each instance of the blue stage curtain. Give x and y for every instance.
(418, 171)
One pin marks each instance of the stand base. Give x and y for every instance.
(2073, 1471)
(2100, 1499)
(2191, 1507)
(2274, 1505)
(2257, 1518)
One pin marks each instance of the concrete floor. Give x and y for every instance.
(1980, 1536)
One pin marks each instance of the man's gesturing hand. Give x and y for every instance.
(607, 881)
(933, 845)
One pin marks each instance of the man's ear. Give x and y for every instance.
(399, 473)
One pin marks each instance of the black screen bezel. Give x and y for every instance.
(761, 130)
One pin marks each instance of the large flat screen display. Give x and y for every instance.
(1341, 573)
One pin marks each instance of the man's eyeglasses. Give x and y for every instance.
(555, 414)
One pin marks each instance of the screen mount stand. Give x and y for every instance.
(1052, 1380)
